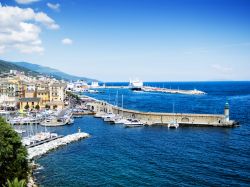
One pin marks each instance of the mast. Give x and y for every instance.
(122, 105)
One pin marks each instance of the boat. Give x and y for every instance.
(173, 124)
(52, 122)
(99, 114)
(133, 123)
(136, 85)
(109, 118)
(121, 121)
(71, 121)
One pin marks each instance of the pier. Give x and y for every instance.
(42, 149)
(155, 118)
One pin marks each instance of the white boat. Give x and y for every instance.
(99, 114)
(19, 131)
(54, 122)
(133, 123)
(173, 124)
(121, 121)
(109, 118)
(136, 84)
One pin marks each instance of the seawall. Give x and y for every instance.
(154, 118)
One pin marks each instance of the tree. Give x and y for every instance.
(13, 155)
(47, 106)
(26, 107)
(37, 107)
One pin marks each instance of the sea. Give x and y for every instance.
(157, 156)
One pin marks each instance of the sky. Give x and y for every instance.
(118, 40)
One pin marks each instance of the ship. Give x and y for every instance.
(135, 84)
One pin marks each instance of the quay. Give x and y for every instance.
(42, 149)
(154, 118)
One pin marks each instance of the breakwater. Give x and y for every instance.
(172, 91)
(155, 118)
(162, 90)
(46, 147)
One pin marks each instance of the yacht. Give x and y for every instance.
(99, 114)
(136, 85)
(173, 124)
(109, 118)
(133, 123)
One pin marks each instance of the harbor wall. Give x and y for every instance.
(154, 118)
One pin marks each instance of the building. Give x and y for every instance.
(28, 103)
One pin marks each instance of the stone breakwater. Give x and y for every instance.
(46, 147)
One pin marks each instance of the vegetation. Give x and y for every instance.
(37, 107)
(5, 67)
(27, 106)
(47, 106)
(74, 96)
(16, 183)
(13, 155)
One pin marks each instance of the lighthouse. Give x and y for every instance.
(226, 112)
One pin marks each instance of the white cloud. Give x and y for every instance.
(26, 1)
(20, 29)
(55, 7)
(67, 41)
(222, 69)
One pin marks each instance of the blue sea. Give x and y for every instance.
(157, 156)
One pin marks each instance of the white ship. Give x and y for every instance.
(135, 84)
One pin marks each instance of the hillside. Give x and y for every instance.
(5, 67)
(52, 72)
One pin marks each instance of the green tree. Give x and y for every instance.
(37, 107)
(13, 155)
(47, 106)
(16, 183)
(26, 107)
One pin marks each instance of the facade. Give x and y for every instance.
(30, 102)
(17, 89)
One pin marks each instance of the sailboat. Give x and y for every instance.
(173, 124)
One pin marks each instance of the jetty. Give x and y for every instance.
(42, 149)
(172, 91)
(155, 118)
(161, 90)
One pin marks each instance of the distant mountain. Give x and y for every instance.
(52, 72)
(6, 66)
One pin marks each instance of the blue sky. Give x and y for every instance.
(114, 40)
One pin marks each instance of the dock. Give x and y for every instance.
(45, 147)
